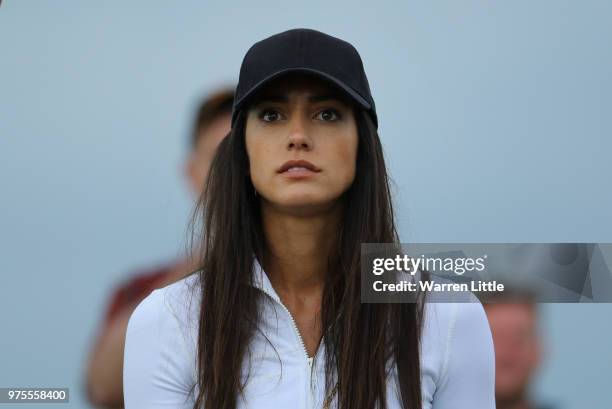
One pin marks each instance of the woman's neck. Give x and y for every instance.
(298, 248)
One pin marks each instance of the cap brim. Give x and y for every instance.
(348, 90)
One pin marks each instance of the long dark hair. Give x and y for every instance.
(360, 339)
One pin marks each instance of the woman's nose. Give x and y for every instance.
(298, 134)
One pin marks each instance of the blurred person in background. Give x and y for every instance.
(513, 318)
(105, 366)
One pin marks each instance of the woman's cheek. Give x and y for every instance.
(260, 182)
(347, 158)
(255, 173)
(350, 177)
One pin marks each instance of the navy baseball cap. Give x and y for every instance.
(306, 51)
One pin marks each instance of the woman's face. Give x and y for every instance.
(301, 139)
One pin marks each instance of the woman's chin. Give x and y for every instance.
(305, 205)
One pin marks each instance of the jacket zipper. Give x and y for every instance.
(309, 360)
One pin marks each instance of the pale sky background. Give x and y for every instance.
(495, 118)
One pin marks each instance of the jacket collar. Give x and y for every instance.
(261, 281)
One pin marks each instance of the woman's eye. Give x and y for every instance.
(269, 115)
(328, 115)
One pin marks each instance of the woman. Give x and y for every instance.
(273, 317)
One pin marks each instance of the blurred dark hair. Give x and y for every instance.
(209, 109)
(361, 339)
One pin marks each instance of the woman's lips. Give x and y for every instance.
(297, 169)
(298, 172)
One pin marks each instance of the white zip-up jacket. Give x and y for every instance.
(457, 360)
